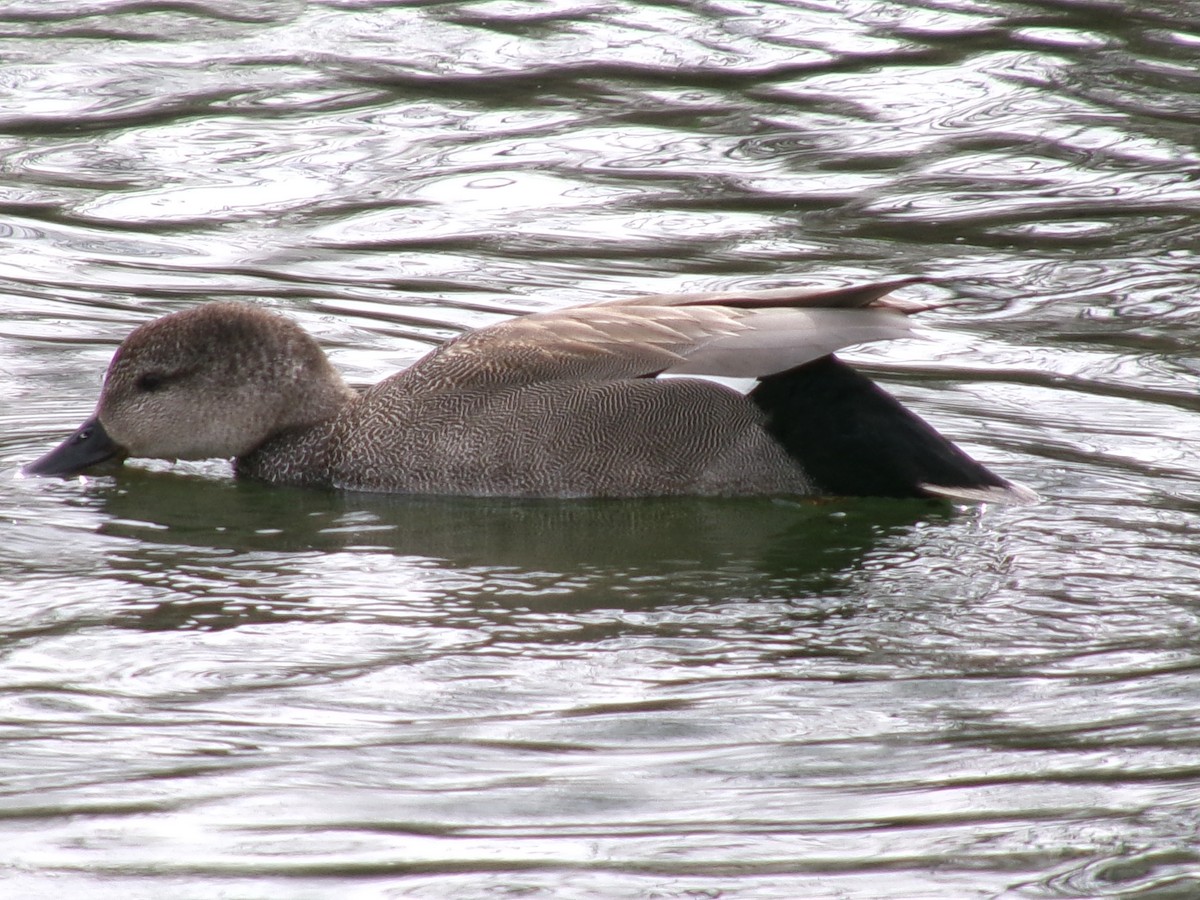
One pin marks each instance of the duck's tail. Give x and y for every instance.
(853, 438)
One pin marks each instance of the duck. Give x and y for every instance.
(608, 399)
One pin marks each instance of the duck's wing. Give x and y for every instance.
(855, 296)
(736, 334)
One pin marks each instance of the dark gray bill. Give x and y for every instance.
(89, 446)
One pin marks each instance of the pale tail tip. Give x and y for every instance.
(1012, 493)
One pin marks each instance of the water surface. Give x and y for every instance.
(210, 688)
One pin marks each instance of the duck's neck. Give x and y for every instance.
(300, 453)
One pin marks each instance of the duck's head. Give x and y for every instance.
(214, 381)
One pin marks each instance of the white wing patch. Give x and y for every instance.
(776, 340)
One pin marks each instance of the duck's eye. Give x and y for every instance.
(151, 382)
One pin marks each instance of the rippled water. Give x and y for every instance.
(212, 688)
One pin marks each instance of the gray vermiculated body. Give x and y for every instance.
(623, 438)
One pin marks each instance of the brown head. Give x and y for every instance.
(214, 381)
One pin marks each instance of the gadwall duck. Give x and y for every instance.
(567, 403)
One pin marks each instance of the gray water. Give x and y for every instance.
(218, 689)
